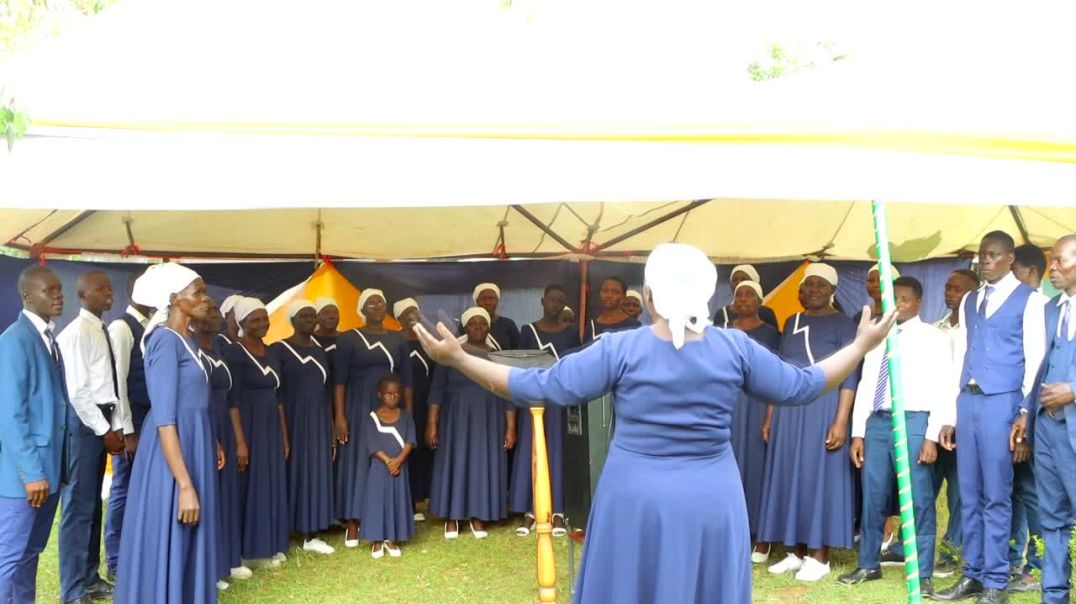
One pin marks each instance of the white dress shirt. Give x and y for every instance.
(1034, 320)
(1072, 315)
(88, 371)
(958, 340)
(926, 367)
(41, 326)
(122, 344)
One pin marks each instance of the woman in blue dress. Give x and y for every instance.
(470, 430)
(612, 316)
(548, 333)
(326, 334)
(807, 491)
(727, 314)
(304, 374)
(226, 424)
(255, 381)
(362, 357)
(503, 333)
(670, 474)
(390, 437)
(167, 546)
(747, 417)
(420, 462)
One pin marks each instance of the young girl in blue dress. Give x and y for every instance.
(612, 316)
(390, 437)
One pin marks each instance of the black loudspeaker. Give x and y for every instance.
(589, 432)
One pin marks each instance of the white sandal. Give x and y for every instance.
(455, 532)
(393, 550)
(560, 531)
(377, 552)
(478, 533)
(525, 529)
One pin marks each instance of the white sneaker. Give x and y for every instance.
(812, 570)
(222, 585)
(759, 557)
(241, 573)
(420, 517)
(791, 563)
(318, 547)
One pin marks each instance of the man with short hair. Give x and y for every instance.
(95, 429)
(1005, 346)
(33, 405)
(1029, 266)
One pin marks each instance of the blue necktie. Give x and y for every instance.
(883, 382)
(1066, 317)
(54, 350)
(986, 296)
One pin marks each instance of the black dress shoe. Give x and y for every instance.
(1022, 584)
(993, 596)
(966, 587)
(926, 586)
(860, 575)
(945, 568)
(100, 590)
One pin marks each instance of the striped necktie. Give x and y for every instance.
(883, 382)
(1066, 318)
(54, 350)
(986, 297)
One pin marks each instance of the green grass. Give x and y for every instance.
(498, 570)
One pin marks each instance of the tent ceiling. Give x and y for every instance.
(727, 230)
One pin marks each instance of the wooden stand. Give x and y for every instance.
(543, 510)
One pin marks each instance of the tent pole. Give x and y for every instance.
(653, 223)
(900, 428)
(67, 226)
(584, 276)
(1018, 218)
(545, 228)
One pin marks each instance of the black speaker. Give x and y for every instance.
(589, 432)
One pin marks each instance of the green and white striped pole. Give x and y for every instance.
(900, 428)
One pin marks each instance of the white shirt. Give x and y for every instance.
(88, 371)
(958, 340)
(930, 383)
(1072, 315)
(41, 326)
(1034, 319)
(122, 344)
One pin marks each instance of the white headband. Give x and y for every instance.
(481, 287)
(229, 303)
(401, 307)
(298, 305)
(754, 287)
(682, 281)
(747, 269)
(366, 295)
(143, 289)
(631, 293)
(569, 309)
(823, 270)
(323, 302)
(163, 280)
(245, 306)
(474, 311)
(875, 269)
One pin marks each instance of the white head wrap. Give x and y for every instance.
(244, 307)
(753, 286)
(400, 307)
(470, 313)
(297, 305)
(634, 294)
(569, 309)
(159, 282)
(322, 302)
(366, 295)
(229, 303)
(875, 269)
(143, 289)
(823, 270)
(747, 269)
(682, 281)
(481, 287)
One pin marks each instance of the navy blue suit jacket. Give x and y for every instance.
(1063, 357)
(33, 410)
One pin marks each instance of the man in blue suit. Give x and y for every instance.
(33, 405)
(1054, 418)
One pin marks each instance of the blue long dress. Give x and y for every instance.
(747, 443)
(668, 522)
(304, 375)
(162, 560)
(807, 492)
(265, 502)
(596, 330)
(420, 462)
(470, 465)
(386, 509)
(328, 344)
(521, 493)
(229, 542)
(362, 359)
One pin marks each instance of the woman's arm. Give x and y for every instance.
(509, 430)
(284, 431)
(838, 430)
(189, 508)
(242, 454)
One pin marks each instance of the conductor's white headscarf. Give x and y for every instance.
(681, 280)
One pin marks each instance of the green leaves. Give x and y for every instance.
(13, 120)
(782, 62)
